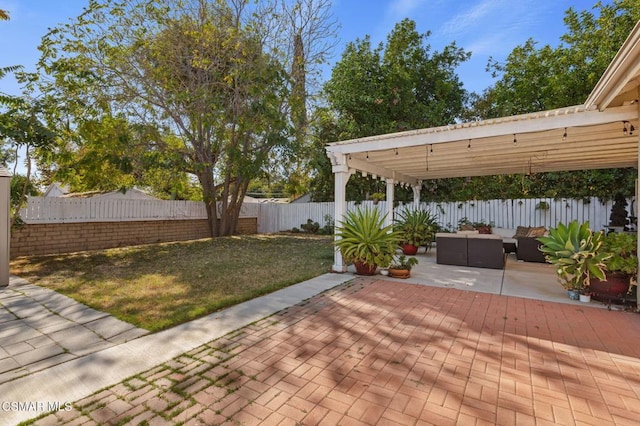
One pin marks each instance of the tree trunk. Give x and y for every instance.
(209, 197)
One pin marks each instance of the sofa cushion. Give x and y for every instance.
(537, 231)
(521, 231)
(504, 232)
(485, 236)
(450, 235)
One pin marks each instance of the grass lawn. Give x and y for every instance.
(159, 286)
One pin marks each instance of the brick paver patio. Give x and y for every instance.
(388, 353)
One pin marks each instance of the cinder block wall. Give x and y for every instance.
(56, 238)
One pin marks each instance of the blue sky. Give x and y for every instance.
(484, 27)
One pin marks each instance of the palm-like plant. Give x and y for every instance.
(574, 251)
(417, 227)
(364, 239)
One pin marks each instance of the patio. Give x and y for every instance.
(520, 279)
(376, 350)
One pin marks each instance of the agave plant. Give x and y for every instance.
(417, 227)
(574, 250)
(365, 239)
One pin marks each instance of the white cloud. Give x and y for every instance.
(474, 17)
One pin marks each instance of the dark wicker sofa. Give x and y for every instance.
(527, 250)
(476, 250)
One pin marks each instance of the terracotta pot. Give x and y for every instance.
(399, 273)
(365, 268)
(616, 285)
(409, 249)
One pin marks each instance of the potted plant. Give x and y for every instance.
(621, 265)
(401, 266)
(574, 250)
(585, 295)
(482, 227)
(365, 241)
(416, 228)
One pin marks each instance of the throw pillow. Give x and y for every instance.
(521, 231)
(467, 227)
(537, 232)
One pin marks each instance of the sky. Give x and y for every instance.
(486, 28)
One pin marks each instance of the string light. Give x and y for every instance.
(628, 128)
(515, 141)
(564, 135)
(469, 145)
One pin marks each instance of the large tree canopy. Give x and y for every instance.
(197, 71)
(537, 79)
(541, 78)
(400, 85)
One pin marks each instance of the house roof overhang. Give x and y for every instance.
(595, 135)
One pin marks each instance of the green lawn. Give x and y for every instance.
(159, 286)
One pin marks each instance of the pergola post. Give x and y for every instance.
(416, 194)
(5, 225)
(341, 175)
(389, 204)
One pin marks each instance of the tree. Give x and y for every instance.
(303, 33)
(195, 69)
(398, 86)
(536, 79)
(21, 127)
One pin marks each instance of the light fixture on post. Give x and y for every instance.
(564, 135)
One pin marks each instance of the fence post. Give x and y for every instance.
(5, 225)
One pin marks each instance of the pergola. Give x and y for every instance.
(601, 133)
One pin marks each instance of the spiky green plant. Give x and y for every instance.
(417, 227)
(574, 250)
(365, 238)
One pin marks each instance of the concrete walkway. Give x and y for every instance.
(40, 328)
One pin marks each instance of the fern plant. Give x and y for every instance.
(574, 250)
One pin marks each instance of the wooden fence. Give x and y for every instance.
(545, 212)
(69, 210)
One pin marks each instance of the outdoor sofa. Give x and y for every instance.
(523, 241)
(470, 249)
